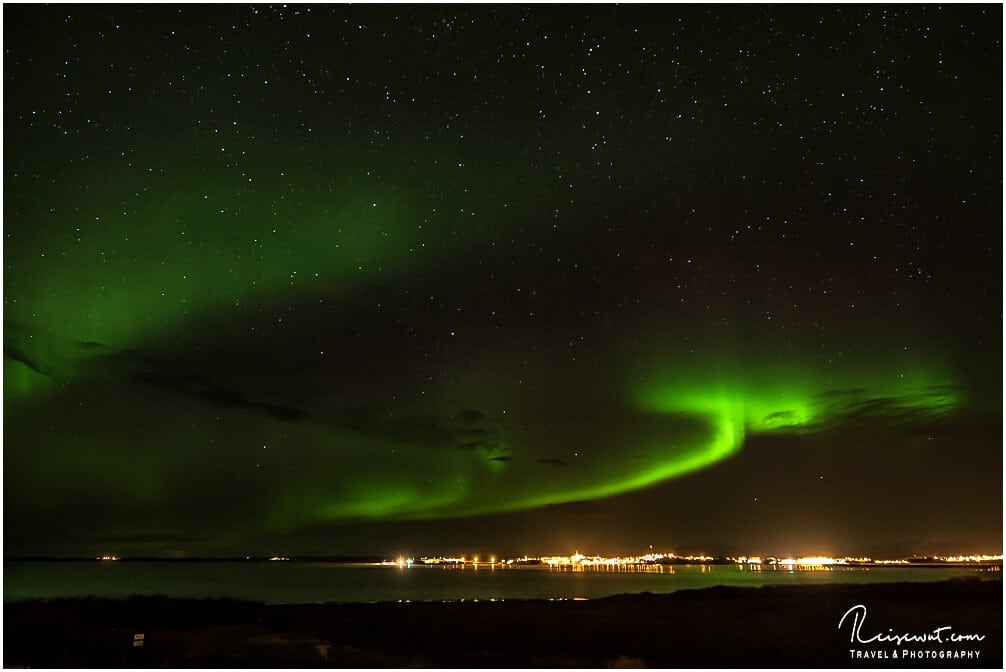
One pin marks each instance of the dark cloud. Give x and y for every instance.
(16, 355)
(203, 390)
(922, 406)
(922, 409)
(781, 415)
(44, 353)
(369, 419)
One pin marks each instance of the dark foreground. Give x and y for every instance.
(779, 626)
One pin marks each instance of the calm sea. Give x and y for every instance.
(296, 582)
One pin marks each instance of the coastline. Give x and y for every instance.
(770, 626)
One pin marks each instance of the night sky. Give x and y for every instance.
(332, 279)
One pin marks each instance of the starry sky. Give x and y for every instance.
(361, 279)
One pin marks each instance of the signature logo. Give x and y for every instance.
(856, 616)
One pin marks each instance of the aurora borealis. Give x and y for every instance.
(358, 279)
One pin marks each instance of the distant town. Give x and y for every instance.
(581, 561)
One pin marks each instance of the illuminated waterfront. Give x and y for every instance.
(651, 561)
(453, 578)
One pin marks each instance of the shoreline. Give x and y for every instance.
(768, 626)
(920, 563)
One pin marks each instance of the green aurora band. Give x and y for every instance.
(137, 262)
(682, 422)
(71, 315)
(66, 330)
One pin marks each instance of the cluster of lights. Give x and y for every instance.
(814, 561)
(576, 560)
(970, 558)
(824, 561)
(579, 561)
(401, 562)
(436, 560)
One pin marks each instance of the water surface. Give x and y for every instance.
(295, 582)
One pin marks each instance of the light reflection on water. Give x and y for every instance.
(328, 582)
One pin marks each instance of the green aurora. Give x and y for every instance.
(75, 319)
(680, 423)
(259, 284)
